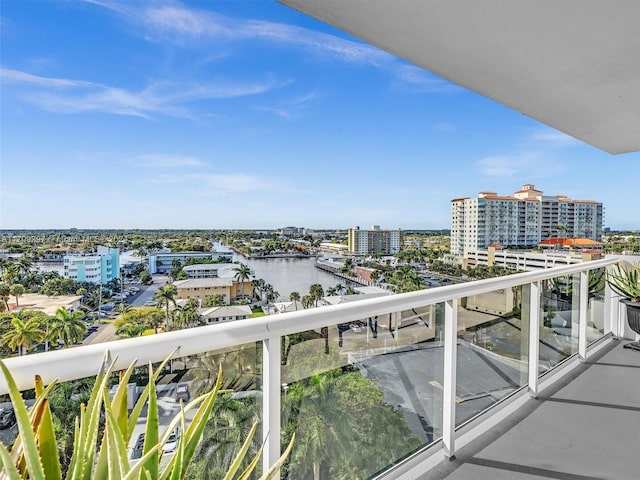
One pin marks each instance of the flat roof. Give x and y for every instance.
(44, 303)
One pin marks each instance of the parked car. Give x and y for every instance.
(182, 392)
(172, 443)
(137, 448)
(7, 418)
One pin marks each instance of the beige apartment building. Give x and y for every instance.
(228, 287)
(363, 242)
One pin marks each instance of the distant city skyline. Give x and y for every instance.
(250, 115)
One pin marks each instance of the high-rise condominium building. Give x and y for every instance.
(386, 242)
(520, 220)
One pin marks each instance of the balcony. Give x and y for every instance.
(421, 377)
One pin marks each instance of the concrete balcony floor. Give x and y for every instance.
(585, 426)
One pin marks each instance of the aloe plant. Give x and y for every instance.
(626, 281)
(34, 453)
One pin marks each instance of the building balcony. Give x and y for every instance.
(443, 372)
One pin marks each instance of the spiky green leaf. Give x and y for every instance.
(31, 454)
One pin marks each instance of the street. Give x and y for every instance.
(106, 332)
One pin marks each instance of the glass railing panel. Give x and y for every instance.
(492, 350)
(362, 395)
(559, 319)
(234, 412)
(595, 309)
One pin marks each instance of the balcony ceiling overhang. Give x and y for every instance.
(573, 65)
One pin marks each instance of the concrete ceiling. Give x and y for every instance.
(573, 65)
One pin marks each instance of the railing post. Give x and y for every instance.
(271, 396)
(534, 337)
(612, 311)
(449, 387)
(583, 306)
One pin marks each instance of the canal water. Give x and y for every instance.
(287, 274)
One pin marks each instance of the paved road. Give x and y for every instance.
(147, 291)
(106, 332)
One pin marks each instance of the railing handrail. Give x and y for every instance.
(85, 361)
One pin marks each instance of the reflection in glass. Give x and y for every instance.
(492, 349)
(559, 319)
(362, 395)
(595, 308)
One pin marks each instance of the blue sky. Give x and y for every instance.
(247, 114)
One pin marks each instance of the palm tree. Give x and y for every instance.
(259, 284)
(186, 316)
(166, 296)
(23, 335)
(321, 438)
(123, 308)
(272, 295)
(306, 301)
(67, 326)
(24, 265)
(129, 330)
(5, 293)
(294, 297)
(316, 292)
(215, 300)
(17, 290)
(225, 432)
(347, 268)
(375, 276)
(65, 400)
(243, 273)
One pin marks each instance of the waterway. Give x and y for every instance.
(287, 274)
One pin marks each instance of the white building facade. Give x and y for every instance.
(521, 220)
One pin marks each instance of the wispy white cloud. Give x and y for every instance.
(15, 76)
(418, 80)
(216, 183)
(290, 108)
(279, 112)
(167, 161)
(172, 21)
(553, 138)
(444, 127)
(526, 165)
(169, 98)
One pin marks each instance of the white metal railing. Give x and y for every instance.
(85, 361)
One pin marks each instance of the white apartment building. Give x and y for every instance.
(164, 262)
(522, 219)
(101, 267)
(363, 242)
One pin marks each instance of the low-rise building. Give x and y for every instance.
(164, 262)
(209, 270)
(522, 261)
(45, 303)
(201, 288)
(225, 313)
